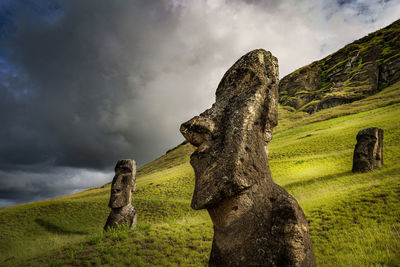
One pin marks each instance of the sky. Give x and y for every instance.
(85, 83)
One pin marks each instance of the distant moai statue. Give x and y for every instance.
(368, 152)
(123, 184)
(256, 222)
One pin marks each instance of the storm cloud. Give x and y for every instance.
(85, 83)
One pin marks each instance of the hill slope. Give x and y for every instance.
(360, 69)
(354, 218)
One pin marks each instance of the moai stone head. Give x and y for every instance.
(368, 152)
(123, 183)
(232, 135)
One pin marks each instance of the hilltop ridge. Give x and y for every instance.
(360, 69)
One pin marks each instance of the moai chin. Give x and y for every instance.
(256, 222)
(123, 184)
(368, 152)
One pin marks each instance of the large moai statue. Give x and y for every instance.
(368, 152)
(256, 222)
(123, 184)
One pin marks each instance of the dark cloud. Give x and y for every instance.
(78, 77)
(30, 183)
(84, 83)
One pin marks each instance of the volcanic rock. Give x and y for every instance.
(368, 153)
(123, 184)
(256, 222)
(358, 70)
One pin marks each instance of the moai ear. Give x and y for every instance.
(133, 188)
(270, 111)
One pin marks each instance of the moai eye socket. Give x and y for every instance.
(125, 169)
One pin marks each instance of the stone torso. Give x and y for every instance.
(273, 233)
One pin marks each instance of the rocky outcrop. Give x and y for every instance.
(256, 222)
(360, 69)
(123, 184)
(368, 153)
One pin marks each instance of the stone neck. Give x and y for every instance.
(237, 209)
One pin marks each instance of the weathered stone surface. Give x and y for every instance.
(122, 186)
(368, 153)
(256, 222)
(126, 215)
(358, 70)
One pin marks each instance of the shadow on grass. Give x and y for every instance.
(317, 180)
(52, 228)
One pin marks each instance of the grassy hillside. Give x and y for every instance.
(354, 218)
(359, 69)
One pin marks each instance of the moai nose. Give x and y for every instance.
(198, 130)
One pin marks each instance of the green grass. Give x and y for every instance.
(337, 65)
(354, 218)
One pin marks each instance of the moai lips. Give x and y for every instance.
(368, 152)
(256, 222)
(122, 186)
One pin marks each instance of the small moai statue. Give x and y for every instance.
(256, 222)
(368, 152)
(123, 184)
